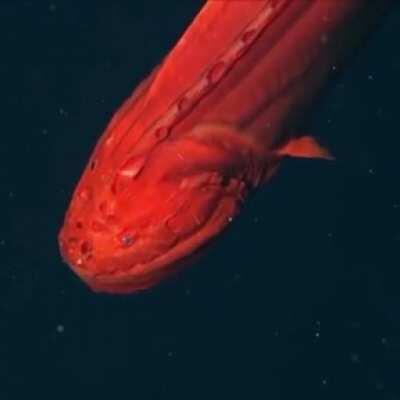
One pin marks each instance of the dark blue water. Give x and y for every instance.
(301, 297)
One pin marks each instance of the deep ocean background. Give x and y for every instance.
(299, 299)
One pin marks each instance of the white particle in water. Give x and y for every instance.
(354, 357)
(62, 112)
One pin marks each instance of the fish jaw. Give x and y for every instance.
(186, 192)
(117, 275)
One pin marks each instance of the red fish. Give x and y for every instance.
(209, 125)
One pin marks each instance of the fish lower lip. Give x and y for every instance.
(142, 276)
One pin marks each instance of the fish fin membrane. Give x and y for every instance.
(304, 147)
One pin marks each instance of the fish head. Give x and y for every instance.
(126, 230)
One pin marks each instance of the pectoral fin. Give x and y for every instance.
(304, 147)
(217, 147)
(211, 148)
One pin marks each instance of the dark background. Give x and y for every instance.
(300, 298)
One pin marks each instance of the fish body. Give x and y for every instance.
(210, 124)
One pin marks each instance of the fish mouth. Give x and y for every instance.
(142, 276)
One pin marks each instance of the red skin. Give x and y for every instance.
(177, 160)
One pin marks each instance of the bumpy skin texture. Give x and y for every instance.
(205, 128)
(129, 235)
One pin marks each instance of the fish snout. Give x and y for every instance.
(75, 246)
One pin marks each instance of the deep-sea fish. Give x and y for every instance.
(209, 125)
